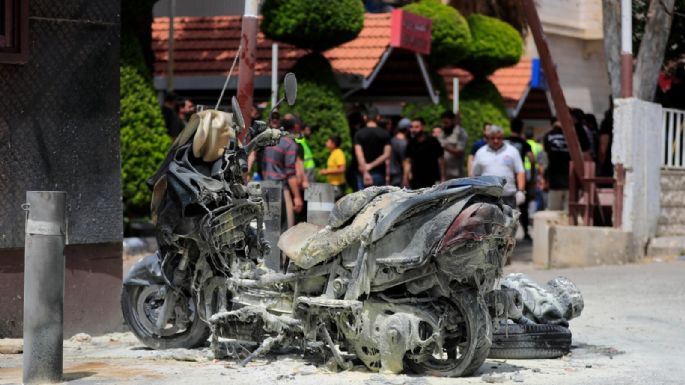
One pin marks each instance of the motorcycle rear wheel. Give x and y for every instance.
(470, 351)
(138, 305)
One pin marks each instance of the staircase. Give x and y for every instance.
(670, 237)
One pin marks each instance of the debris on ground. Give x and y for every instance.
(81, 338)
(517, 377)
(494, 378)
(379, 379)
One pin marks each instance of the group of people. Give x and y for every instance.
(407, 154)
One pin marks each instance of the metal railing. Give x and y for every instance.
(673, 138)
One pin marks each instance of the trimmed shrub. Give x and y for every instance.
(319, 104)
(312, 24)
(144, 141)
(494, 44)
(451, 35)
(481, 102)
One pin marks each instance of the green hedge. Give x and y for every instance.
(312, 24)
(481, 102)
(144, 141)
(319, 104)
(429, 112)
(451, 35)
(494, 44)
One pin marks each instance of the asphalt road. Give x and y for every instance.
(631, 332)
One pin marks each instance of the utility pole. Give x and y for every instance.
(563, 113)
(170, 48)
(248, 41)
(626, 48)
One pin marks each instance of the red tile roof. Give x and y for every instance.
(207, 45)
(511, 81)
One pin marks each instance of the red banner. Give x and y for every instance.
(411, 32)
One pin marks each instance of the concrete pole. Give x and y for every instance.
(248, 57)
(274, 74)
(626, 48)
(170, 48)
(455, 95)
(44, 286)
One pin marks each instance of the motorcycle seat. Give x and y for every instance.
(296, 238)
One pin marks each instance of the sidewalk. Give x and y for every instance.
(630, 332)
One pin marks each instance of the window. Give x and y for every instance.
(14, 25)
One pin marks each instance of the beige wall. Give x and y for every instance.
(574, 34)
(575, 18)
(582, 70)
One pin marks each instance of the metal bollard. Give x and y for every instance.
(273, 198)
(44, 286)
(320, 199)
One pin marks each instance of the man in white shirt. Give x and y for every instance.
(498, 158)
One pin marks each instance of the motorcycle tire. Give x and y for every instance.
(479, 336)
(193, 336)
(530, 342)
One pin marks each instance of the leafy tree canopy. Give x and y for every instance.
(451, 35)
(494, 44)
(312, 24)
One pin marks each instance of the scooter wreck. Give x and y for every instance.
(397, 279)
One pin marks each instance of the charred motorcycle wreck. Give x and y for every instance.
(400, 279)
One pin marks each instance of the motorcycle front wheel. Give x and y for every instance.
(141, 305)
(463, 353)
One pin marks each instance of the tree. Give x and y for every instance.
(494, 44)
(651, 56)
(319, 105)
(312, 24)
(510, 11)
(451, 36)
(143, 137)
(651, 23)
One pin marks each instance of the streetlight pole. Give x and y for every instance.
(626, 48)
(248, 58)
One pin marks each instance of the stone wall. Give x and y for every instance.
(672, 217)
(59, 130)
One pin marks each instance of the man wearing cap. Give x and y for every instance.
(498, 158)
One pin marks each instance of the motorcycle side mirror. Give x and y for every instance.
(237, 114)
(290, 88)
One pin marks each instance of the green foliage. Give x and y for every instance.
(132, 54)
(481, 102)
(451, 36)
(143, 139)
(429, 112)
(312, 24)
(675, 48)
(494, 44)
(319, 104)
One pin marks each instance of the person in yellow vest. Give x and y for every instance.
(308, 156)
(533, 173)
(335, 170)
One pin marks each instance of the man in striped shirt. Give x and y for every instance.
(278, 164)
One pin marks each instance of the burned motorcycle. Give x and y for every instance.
(397, 279)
